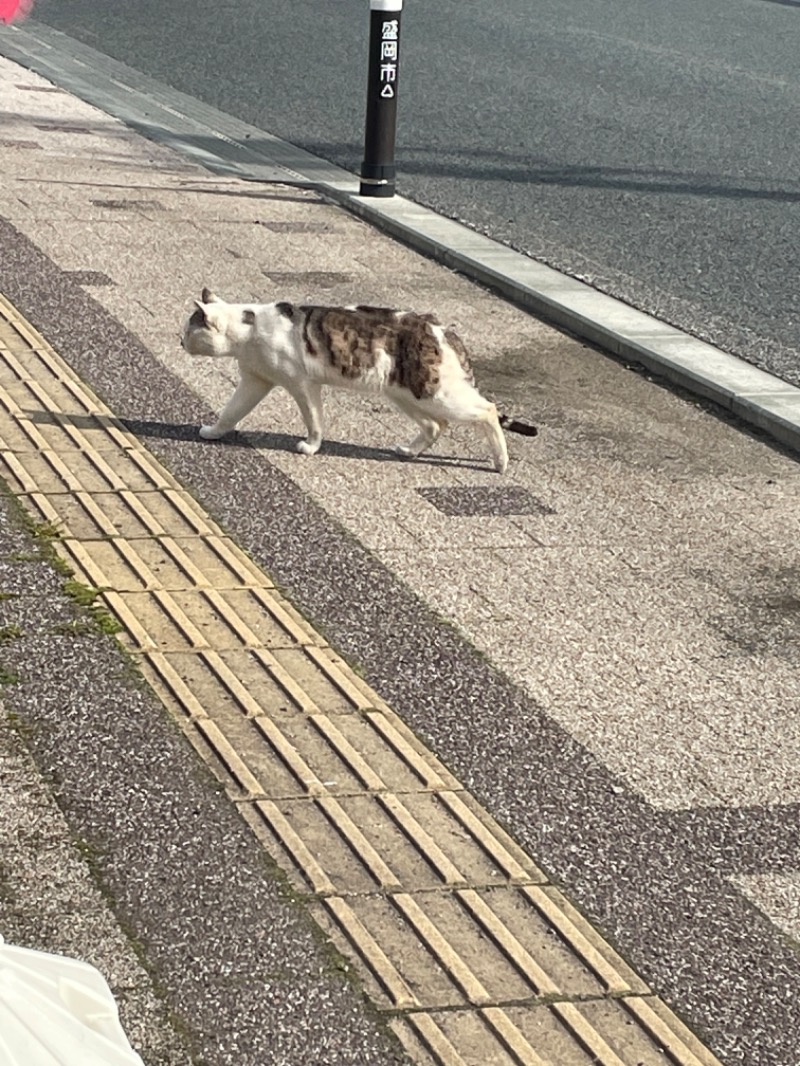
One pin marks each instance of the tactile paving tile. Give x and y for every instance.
(625, 1032)
(287, 745)
(57, 432)
(87, 471)
(451, 923)
(89, 516)
(384, 841)
(480, 946)
(168, 563)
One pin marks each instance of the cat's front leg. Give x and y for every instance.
(249, 392)
(309, 399)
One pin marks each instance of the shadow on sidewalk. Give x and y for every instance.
(284, 442)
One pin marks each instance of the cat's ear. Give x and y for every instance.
(211, 315)
(208, 297)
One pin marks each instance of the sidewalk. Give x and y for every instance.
(618, 693)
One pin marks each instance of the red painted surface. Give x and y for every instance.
(10, 10)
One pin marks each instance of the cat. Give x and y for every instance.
(414, 362)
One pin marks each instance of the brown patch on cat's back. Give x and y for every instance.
(418, 357)
(349, 338)
(352, 338)
(460, 349)
(308, 342)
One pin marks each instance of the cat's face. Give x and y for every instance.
(214, 328)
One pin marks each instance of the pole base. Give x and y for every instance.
(385, 189)
(377, 179)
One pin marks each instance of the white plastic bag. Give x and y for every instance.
(56, 1011)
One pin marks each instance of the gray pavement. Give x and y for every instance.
(603, 645)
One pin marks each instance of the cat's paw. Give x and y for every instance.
(211, 432)
(305, 448)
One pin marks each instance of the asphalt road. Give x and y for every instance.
(648, 148)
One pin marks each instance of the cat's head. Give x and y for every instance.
(215, 327)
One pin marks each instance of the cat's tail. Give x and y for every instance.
(495, 437)
(518, 425)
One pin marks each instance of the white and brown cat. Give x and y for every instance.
(410, 359)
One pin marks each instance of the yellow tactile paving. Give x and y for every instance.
(454, 928)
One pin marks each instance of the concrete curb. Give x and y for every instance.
(224, 144)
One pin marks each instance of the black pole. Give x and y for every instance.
(378, 169)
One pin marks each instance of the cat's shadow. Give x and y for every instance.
(286, 442)
(260, 441)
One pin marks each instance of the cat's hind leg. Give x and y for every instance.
(464, 405)
(495, 438)
(429, 431)
(308, 398)
(430, 428)
(249, 392)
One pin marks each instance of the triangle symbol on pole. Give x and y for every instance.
(387, 92)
